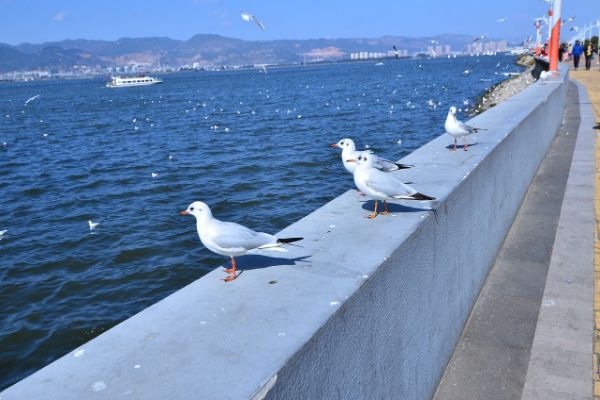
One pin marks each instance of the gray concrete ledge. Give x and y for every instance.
(560, 366)
(365, 309)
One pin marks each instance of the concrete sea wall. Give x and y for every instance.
(364, 309)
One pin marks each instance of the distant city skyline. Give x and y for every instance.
(37, 21)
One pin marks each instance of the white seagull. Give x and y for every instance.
(349, 152)
(251, 18)
(29, 100)
(2, 233)
(456, 128)
(380, 185)
(93, 225)
(231, 239)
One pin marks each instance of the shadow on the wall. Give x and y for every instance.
(460, 145)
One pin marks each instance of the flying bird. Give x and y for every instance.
(31, 99)
(93, 225)
(396, 51)
(380, 185)
(479, 38)
(456, 128)
(231, 239)
(575, 28)
(251, 18)
(501, 20)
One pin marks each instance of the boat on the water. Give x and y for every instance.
(117, 81)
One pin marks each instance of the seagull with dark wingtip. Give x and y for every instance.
(349, 152)
(457, 129)
(380, 185)
(231, 239)
(251, 18)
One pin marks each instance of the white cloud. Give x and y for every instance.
(60, 17)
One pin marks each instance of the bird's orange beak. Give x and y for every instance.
(184, 212)
(351, 160)
(334, 145)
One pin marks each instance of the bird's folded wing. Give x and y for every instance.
(464, 126)
(386, 184)
(234, 236)
(386, 165)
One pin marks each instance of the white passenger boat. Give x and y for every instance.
(117, 81)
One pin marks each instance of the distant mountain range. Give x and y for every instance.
(204, 49)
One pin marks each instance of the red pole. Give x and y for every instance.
(555, 37)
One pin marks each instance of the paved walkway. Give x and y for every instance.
(561, 354)
(492, 357)
(534, 330)
(591, 80)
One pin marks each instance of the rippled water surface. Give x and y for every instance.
(252, 145)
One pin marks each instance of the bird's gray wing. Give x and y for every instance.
(385, 183)
(234, 236)
(386, 165)
(467, 128)
(260, 24)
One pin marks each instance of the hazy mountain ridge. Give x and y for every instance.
(205, 49)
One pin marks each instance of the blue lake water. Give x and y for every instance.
(252, 145)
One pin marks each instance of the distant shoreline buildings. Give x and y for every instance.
(489, 47)
(369, 55)
(315, 56)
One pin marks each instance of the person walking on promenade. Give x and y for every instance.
(589, 55)
(577, 50)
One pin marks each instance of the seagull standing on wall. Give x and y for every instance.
(456, 128)
(349, 152)
(231, 239)
(251, 18)
(380, 185)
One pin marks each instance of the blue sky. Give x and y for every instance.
(38, 21)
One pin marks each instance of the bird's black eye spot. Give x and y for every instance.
(191, 208)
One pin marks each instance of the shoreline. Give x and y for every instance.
(501, 91)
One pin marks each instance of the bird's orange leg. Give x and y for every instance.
(371, 216)
(465, 146)
(385, 208)
(454, 148)
(231, 271)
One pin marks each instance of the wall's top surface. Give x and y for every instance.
(216, 340)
